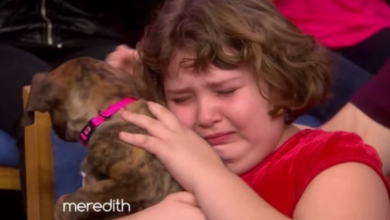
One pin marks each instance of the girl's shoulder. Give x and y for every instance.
(288, 170)
(318, 149)
(321, 147)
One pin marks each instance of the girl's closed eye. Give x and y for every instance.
(180, 100)
(226, 92)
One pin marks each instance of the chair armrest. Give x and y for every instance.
(9, 178)
(39, 166)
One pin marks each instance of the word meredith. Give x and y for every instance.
(114, 205)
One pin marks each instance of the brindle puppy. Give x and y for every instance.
(73, 94)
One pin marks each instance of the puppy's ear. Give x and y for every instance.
(42, 95)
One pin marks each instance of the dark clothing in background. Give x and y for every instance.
(348, 78)
(71, 23)
(374, 97)
(370, 54)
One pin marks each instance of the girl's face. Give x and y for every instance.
(226, 108)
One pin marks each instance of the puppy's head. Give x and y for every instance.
(77, 90)
(47, 94)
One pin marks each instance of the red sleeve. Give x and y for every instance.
(340, 147)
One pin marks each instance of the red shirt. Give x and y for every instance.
(282, 177)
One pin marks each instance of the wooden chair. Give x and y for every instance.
(9, 178)
(39, 167)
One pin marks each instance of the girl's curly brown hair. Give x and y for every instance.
(295, 68)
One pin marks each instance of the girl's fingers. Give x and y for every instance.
(144, 141)
(151, 125)
(128, 53)
(116, 60)
(164, 116)
(122, 57)
(116, 64)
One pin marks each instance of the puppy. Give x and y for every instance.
(78, 92)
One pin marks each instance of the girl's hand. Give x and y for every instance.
(177, 206)
(123, 58)
(186, 155)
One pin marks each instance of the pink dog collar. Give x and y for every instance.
(95, 122)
